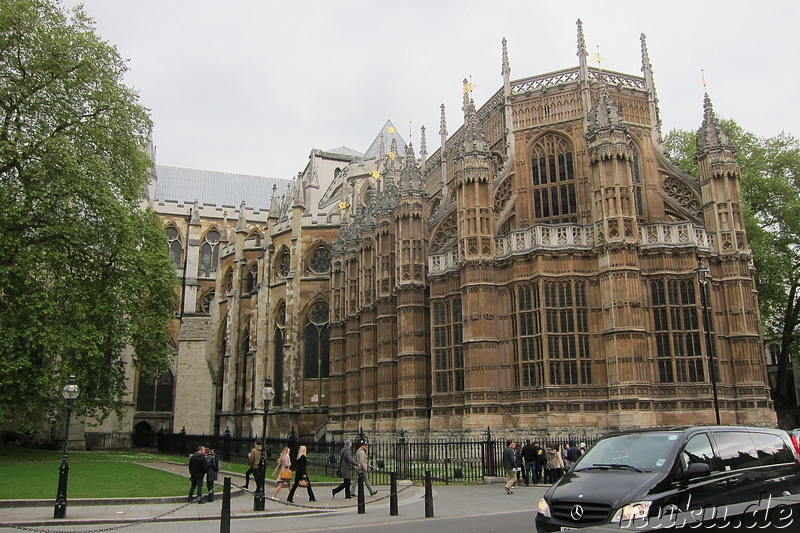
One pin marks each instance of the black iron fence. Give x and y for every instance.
(448, 461)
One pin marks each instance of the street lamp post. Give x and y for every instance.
(70, 392)
(702, 272)
(267, 394)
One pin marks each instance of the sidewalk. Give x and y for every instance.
(448, 501)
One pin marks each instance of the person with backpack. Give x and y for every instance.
(212, 472)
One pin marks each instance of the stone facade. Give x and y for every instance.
(538, 270)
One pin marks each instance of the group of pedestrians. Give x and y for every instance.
(534, 463)
(286, 470)
(203, 464)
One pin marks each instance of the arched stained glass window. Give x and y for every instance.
(175, 246)
(317, 336)
(209, 254)
(553, 180)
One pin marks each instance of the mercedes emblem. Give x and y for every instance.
(576, 513)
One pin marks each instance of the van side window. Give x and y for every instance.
(772, 449)
(736, 450)
(697, 450)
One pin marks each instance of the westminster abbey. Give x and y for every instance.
(539, 269)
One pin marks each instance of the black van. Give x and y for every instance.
(670, 475)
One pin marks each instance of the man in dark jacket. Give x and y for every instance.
(212, 472)
(510, 465)
(197, 470)
(529, 456)
(573, 454)
(345, 460)
(541, 461)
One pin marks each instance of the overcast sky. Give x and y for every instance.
(251, 87)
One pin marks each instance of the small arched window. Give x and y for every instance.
(205, 303)
(209, 254)
(251, 279)
(227, 282)
(284, 264)
(553, 180)
(175, 246)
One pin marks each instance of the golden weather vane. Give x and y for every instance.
(391, 129)
(468, 85)
(343, 205)
(596, 56)
(703, 78)
(375, 174)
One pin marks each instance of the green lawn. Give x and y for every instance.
(30, 474)
(33, 474)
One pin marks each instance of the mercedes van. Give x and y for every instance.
(670, 474)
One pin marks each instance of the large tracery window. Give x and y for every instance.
(553, 180)
(209, 254)
(175, 246)
(284, 264)
(447, 346)
(277, 353)
(319, 261)
(677, 331)
(551, 337)
(317, 337)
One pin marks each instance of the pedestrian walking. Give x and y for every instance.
(345, 460)
(197, 471)
(254, 458)
(212, 472)
(363, 461)
(284, 472)
(301, 476)
(509, 464)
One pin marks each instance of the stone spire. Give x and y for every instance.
(650, 86)
(241, 224)
(274, 206)
(443, 151)
(194, 219)
(583, 67)
(712, 134)
(442, 124)
(223, 233)
(505, 70)
(423, 148)
(474, 139)
(604, 115)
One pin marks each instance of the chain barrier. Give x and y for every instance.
(187, 504)
(112, 528)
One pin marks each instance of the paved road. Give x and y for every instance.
(457, 509)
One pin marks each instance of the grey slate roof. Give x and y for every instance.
(380, 146)
(208, 187)
(344, 150)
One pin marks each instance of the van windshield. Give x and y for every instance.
(632, 451)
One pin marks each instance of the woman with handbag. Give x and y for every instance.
(284, 471)
(301, 476)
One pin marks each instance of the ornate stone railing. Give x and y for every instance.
(574, 236)
(571, 75)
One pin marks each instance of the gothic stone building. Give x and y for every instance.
(536, 271)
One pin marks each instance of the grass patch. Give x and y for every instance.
(100, 474)
(89, 480)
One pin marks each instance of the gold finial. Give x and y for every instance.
(469, 86)
(703, 78)
(391, 155)
(391, 129)
(596, 56)
(375, 174)
(343, 206)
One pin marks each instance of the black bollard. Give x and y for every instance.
(393, 494)
(428, 495)
(225, 516)
(362, 507)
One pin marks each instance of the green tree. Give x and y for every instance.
(771, 193)
(84, 270)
